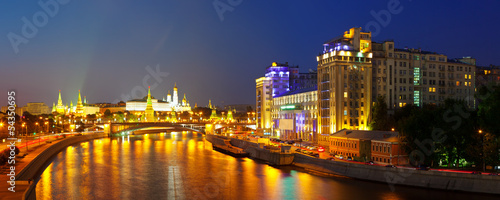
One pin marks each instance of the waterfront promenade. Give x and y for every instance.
(29, 166)
(22, 185)
(444, 180)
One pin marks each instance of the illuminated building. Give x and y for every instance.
(175, 99)
(209, 104)
(295, 114)
(138, 106)
(381, 147)
(487, 75)
(213, 116)
(79, 106)
(230, 115)
(263, 103)
(280, 79)
(60, 108)
(34, 108)
(149, 112)
(412, 76)
(344, 82)
(80, 110)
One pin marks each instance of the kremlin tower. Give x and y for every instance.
(79, 106)
(60, 107)
(149, 112)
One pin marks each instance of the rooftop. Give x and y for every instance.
(310, 89)
(387, 136)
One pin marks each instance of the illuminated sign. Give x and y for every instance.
(288, 107)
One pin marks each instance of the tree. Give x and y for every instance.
(488, 110)
(489, 107)
(415, 129)
(107, 113)
(380, 118)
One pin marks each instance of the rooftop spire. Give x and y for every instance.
(59, 101)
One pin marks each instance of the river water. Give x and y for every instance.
(183, 166)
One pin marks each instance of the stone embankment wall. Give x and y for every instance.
(404, 176)
(37, 165)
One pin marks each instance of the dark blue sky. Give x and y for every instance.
(104, 47)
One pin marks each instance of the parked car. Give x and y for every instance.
(339, 156)
(391, 166)
(297, 150)
(315, 154)
(423, 167)
(370, 162)
(494, 174)
(476, 172)
(349, 158)
(331, 158)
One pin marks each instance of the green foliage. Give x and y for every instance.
(381, 121)
(107, 113)
(4, 155)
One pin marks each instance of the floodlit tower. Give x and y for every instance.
(184, 100)
(175, 101)
(60, 107)
(169, 97)
(149, 112)
(79, 105)
(230, 115)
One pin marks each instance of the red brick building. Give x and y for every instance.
(381, 147)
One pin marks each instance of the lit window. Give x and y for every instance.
(430, 89)
(400, 104)
(345, 94)
(469, 76)
(458, 83)
(465, 76)
(345, 112)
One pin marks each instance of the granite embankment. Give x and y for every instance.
(404, 176)
(392, 176)
(33, 170)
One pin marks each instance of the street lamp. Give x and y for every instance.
(482, 149)
(26, 136)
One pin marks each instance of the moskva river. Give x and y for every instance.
(184, 166)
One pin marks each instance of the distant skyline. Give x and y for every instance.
(104, 48)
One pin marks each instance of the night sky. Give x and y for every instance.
(104, 47)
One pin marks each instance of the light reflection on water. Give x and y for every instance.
(182, 166)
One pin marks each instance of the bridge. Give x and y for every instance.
(198, 127)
